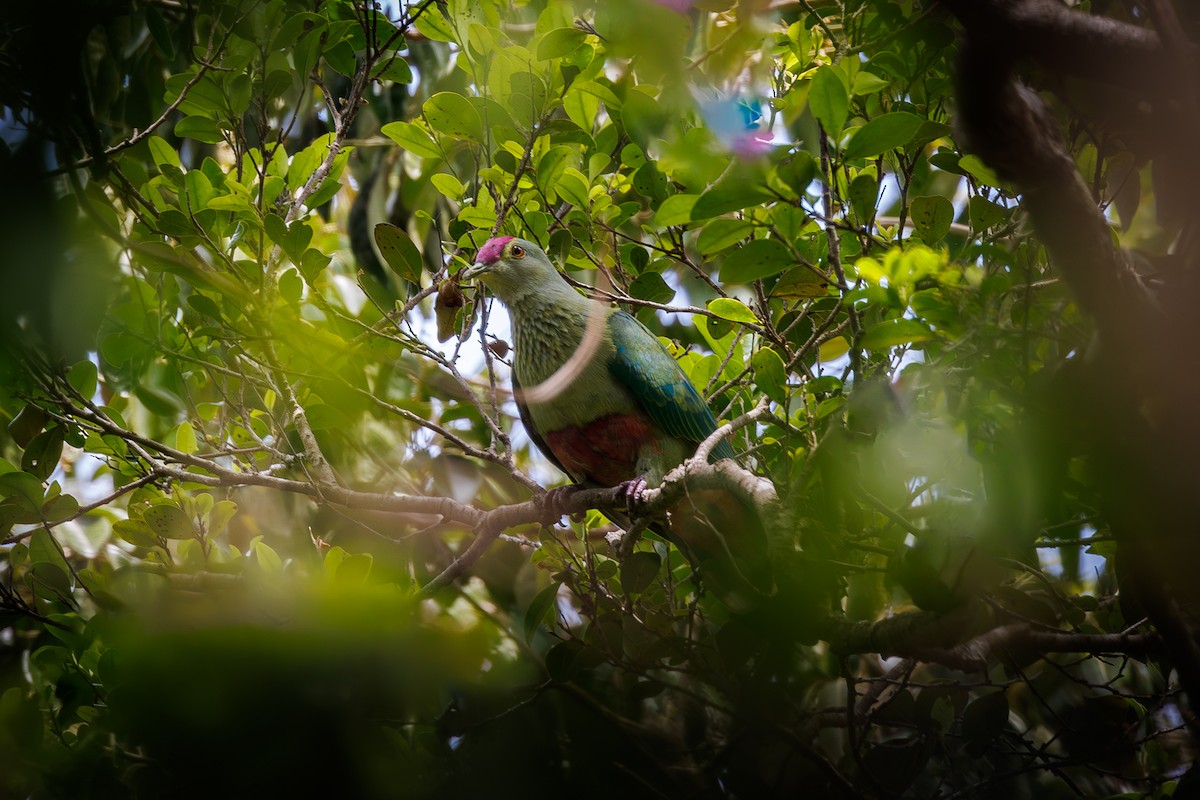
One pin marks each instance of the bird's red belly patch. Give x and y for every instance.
(606, 450)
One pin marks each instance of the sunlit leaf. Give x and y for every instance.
(733, 310)
(829, 101)
(886, 132)
(893, 332)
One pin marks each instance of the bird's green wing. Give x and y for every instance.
(647, 370)
(531, 429)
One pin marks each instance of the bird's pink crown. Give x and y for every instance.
(492, 250)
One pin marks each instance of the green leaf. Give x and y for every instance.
(332, 183)
(83, 378)
(41, 456)
(639, 570)
(27, 424)
(560, 42)
(168, 521)
(893, 332)
(43, 549)
(21, 721)
(333, 559)
(61, 508)
(864, 194)
(801, 283)
(202, 129)
(232, 202)
(651, 286)
(732, 310)
(163, 153)
(980, 171)
(649, 182)
(158, 400)
(644, 117)
(769, 374)
(886, 132)
(833, 349)
(553, 163)
(759, 259)
(539, 609)
(412, 138)
(219, 517)
(675, 210)
(158, 29)
(25, 488)
(395, 69)
(448, 185)
(312, 262)
(355, 569)
(453, 115)
(562, 660)
(573, 188)
(932, 217)
(984, 213)
(868, 83)
(136, 532)
(722, 233)
(185, 438)
(324, 417)
(268, 560)
(730, 196)
(829, 101)
(399, 252)
(829, 405)
(985, 717)
(433, 25)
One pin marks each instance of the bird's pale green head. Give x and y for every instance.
(513, 267)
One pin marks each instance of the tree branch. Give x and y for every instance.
(939, 638)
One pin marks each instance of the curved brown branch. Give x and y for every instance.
(1148, 463)
(948, 639)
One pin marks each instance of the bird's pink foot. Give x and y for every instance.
(556, 499)
(633, 492)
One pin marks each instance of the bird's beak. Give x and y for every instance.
(473, 271)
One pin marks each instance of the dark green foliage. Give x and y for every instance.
(240, 482)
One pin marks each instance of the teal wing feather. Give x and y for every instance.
(643, 366)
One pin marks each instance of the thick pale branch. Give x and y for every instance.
(728, 429)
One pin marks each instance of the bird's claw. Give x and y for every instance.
(633, 492)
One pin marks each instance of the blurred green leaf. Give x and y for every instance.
(893, 332)
(560, 42)
(638, 571)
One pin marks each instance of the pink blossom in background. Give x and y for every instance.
(750, 144)
(737, 124)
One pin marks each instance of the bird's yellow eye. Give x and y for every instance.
(517, 251)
